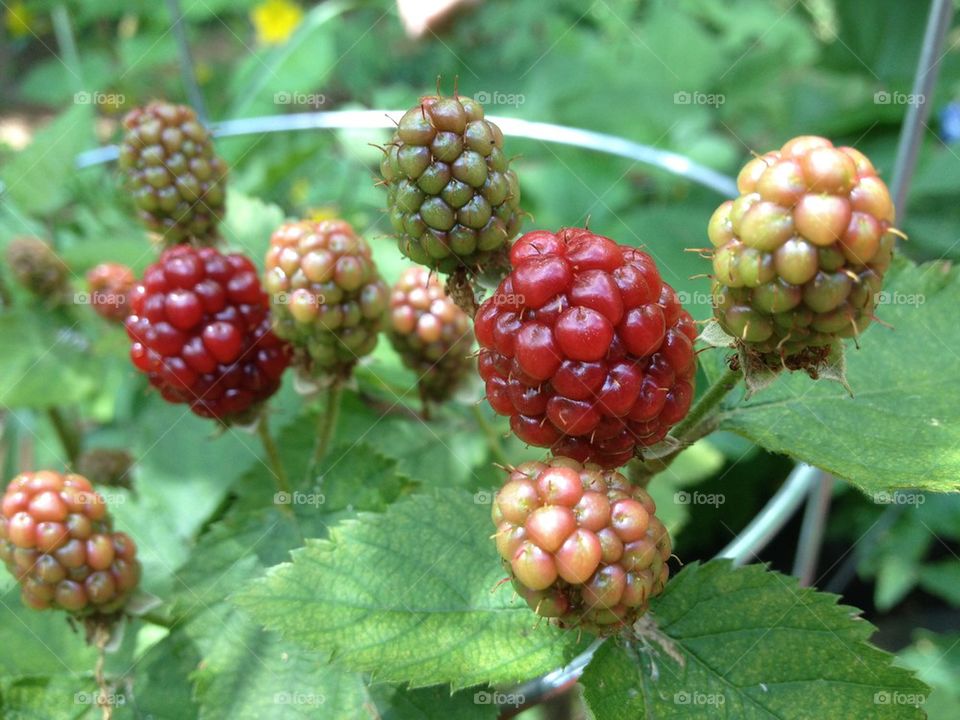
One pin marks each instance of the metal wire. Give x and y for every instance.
(669, 162)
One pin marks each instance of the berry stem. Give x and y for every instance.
(101, 638)
(496, 447)
(276, 464)
(67, 433)
(688, 430)
(327, 421)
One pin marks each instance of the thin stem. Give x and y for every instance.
(188, 70)
(811, 532)
(706, 405)
(103, 694)
(493, 441)
(67, 43)
(67, 433)
(279, 473)
(327, 421)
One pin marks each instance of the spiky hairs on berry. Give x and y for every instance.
(800, 255)
(585, 347)
(453, 200)
(583, 546)
(57, 540)
(430, 333)
(177, 179)
(327, 295)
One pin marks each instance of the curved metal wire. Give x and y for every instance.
(669, 162)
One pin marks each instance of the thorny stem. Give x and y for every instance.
(67, 433)
(103, 695)
(493, 441)
(273, 455)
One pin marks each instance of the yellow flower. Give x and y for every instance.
(324, 212)
(275, 20)
(18, 19)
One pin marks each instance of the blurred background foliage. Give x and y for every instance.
(754, 72)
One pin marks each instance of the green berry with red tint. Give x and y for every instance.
(201, 331)
(800, 255)
(56, 538)
(582, 545)
(170, 166)
(37, 268)
(453, 200)
(430, 333)
(327, 295)
(585, 348)
(110, 285)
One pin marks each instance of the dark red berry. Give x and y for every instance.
(585, 347)
(202, 336)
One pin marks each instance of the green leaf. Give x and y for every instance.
(412, 596)
(433, 703)
(36, 179)
(936, 660)
(694, 465)
(748, 643)
(899, 411)
(943, 580)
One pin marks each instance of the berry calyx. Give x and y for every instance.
(430, 333)
(800, 255)
(585, 347)
(327, 296)
(453, 200)
(109, 285)
(56, 539)
(177, 180)
(583, 546)
(201, 331)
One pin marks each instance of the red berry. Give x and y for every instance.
(110, 285)
(56, 539)
(582, 545)
(582, 337)
(200, 326)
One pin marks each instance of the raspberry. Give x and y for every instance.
(430, 333)
(38, 269)
(585, 348)
(328, 297)
(200, 326)
(110, 285)
(56, 538)
(582, 544)
(801, 254)
(177, 180)
(452, 197)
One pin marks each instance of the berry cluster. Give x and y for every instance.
(582, 545)
(585, 347)
(200, 327)
(452, 197)
(430, 333)
(800, 255)
(56, 539)
(326, 293)
(176, 177)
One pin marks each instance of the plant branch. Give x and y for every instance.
(493, 441)
(706, 406)
(67, 433)
(273, 455)
(327, 422)
(811, 532)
